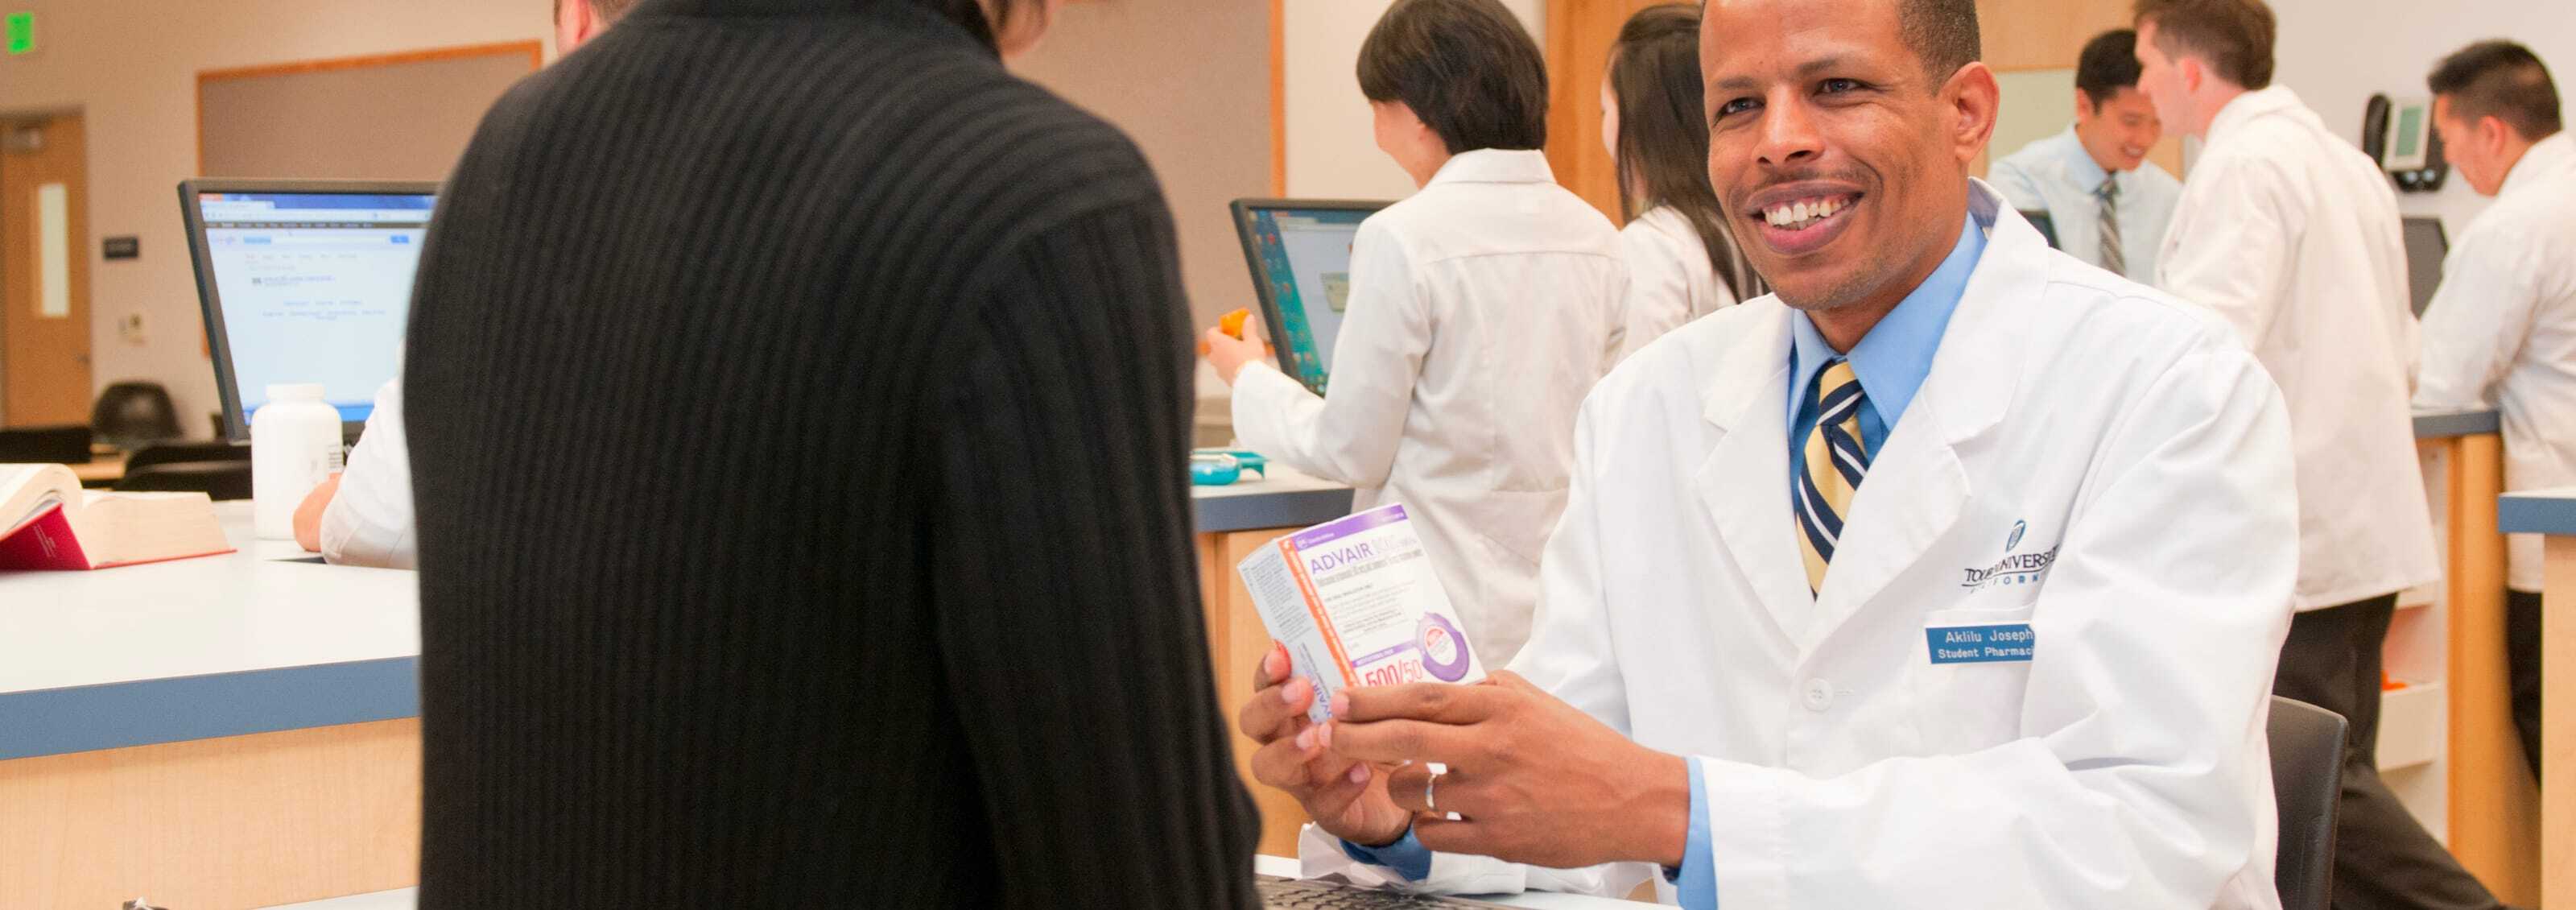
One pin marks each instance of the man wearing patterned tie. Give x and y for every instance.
(1951, 574)
(2107, 201)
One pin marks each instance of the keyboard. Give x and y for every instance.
(1294, 894)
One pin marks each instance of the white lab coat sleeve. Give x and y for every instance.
(1659, 289)
(1569, 656)
(1348, 435)
(2228, 248)
(2140, 776)
(2474, 328)
(369, 521)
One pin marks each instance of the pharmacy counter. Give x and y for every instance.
(2553, 512)
(2454, 715)
(269, 703)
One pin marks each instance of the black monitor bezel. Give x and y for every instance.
(1241, 211)
(209, 301)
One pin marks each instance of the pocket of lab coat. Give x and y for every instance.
(1968, 706)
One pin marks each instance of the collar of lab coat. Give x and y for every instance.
(2252, 106)
(2014, 263)
(1917, 486)
(1495, 166)
(2548, 156)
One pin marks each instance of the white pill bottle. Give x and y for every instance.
(294, 447)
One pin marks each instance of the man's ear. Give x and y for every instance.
(1974, 100)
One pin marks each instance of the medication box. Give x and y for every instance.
(1357, 604)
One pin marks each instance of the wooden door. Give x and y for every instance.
(44, 272)
(1579, 35)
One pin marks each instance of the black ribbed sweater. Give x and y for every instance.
(799, 407)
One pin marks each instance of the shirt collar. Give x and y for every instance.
(1892, 361)
(2248, 107)
(2545, 156)
(1496, 166)
(2080, 166)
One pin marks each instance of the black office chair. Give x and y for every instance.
(131, 415)
(216, 479)
(170, 452)
(2307, 784)
(45, 445)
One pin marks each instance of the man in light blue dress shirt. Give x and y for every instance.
(2109, 203)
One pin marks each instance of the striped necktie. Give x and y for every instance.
(2113, 259)
(1835, 461)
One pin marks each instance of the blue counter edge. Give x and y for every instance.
(2461, 423)
(1264, 511)
(2536, 513)
(149, 712)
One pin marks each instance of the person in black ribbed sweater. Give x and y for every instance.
(799, 419)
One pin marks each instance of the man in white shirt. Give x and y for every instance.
(2501, 332)
(2108, 203)
(2290, 235)
(362, 516)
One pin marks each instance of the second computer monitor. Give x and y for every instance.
(2426, 246)
(304, 281)
(1299, 251)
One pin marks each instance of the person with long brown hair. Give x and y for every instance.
(1682, 262)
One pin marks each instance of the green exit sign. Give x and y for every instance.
(22, 33)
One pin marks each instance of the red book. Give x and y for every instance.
(51, 523)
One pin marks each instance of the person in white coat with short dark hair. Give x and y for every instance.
(1869, 592)
(2291, 235)
(1481, 310)
(2501, 332)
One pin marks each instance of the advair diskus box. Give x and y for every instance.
(1357, 604)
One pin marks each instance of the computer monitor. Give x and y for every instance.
(1300, 254)
(2426, 245)
(304, 281)
(2045, 222)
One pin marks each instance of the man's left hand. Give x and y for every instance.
(1533, 779)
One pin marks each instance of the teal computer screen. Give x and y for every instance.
(1305, 257)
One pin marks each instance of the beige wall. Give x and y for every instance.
(130, 66)
(1331, 150)
(1189, 80)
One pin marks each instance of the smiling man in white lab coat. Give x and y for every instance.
(2291, 235)
(1950, 575)
(2502, 330)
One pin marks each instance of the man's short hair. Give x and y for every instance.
(1942, 33)
(2503, 80)
(2109, 63)
(2233, 36)
(1466, 67)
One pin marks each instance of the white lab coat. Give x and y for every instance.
(2068, 412)
(1670, 279)
(369, 521)
(1481, 311)
(2502, 330)
(2291, 235)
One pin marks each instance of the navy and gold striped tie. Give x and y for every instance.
(1836, 459)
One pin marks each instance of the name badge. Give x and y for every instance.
(2010, 642)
